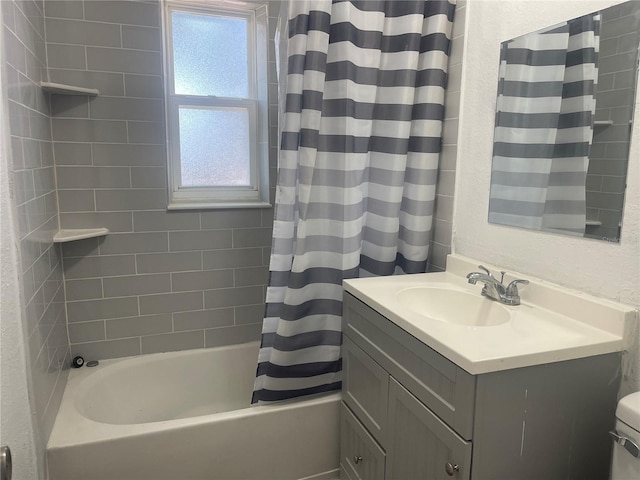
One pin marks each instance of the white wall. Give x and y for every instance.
(608, 270)
(596, 267)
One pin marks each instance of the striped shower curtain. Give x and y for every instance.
(356, 175)
(544, 127)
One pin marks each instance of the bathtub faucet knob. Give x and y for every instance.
(357, 459)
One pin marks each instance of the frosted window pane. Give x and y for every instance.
(214, 147)
(210, 55)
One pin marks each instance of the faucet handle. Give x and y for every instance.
(512, 288)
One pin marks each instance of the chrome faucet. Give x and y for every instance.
(493, 288)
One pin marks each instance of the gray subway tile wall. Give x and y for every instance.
(606, 175)
(161, 280)
(43, 315)
(440, 245)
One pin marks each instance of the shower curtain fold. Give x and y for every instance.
(360, 140)
(544, 127)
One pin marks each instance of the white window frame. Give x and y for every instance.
(256, 195)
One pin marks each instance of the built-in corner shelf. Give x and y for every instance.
(69, 235)
(62, 89)
(602, 123)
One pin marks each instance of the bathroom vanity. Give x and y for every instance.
(531, 395)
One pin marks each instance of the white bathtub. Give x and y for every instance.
(186, 416)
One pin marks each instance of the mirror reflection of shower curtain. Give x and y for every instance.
(357, 168)
(544, 127)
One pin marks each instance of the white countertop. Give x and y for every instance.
(551, 324)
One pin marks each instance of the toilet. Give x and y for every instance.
(625, 464)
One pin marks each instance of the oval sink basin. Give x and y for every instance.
(454, 306)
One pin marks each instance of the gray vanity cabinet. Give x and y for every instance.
(410, 413)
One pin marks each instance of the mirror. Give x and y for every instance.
(564, 116)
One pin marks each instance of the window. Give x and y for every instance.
(216, 97)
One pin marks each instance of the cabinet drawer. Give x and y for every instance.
(420, 445)
(360, 456)
(365, 389)
(440, 384)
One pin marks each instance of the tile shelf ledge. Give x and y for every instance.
(69, 235)
(62, 89)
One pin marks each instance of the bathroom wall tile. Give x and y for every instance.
(128, 155)
(122, 60)
(267, 217)
(438, 257)
(82, 32)
(170, 302)
(63, 9)
(39, 126)
(162, 221)
(231, 218)
(15, 51)
(43, 180)
(131, 199)
(251, 237)
(76, 130)
(108, 266)
(144, 86)
(442, 232)
(249, 314)
(205, 280)
(203, 319)
(76, 201)
(8, 14)
(199, 240)
(81, 248)
(86, 310)
(134, 243)
(93, 177)
(126, 108)
(83, 289)
(24, 188)
(446, 182)
(169, 262)
(111, 84)
(171, 342)
(444, 208)
(146, 132)
(148, 177)
(68, 106)
(217, 337)
(114, 221)
(141, 38)
(72, 153)
(230, 297)
(251, 276)
(136, 285)
(450, 131)
(66, 56)
(108, 349)
(86, 331)
(138, 326)
(613, 184)
(125, 12)
(19, 121)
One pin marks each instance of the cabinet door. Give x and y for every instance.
(437, 382)
(420, 445)
(365, 389)
(361, 458)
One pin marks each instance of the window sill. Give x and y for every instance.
(216, 205)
